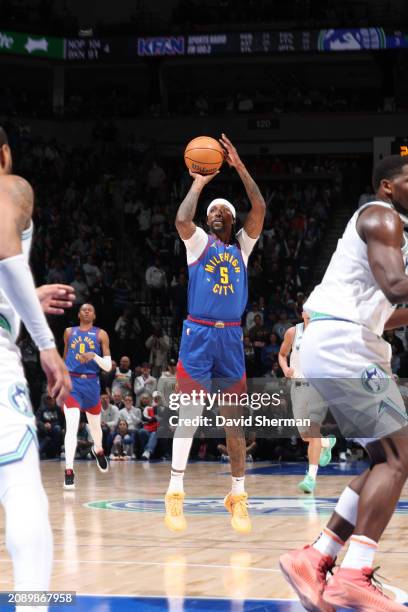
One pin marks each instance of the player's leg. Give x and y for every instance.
(306, 568)
(93, 416)
(72, 415)
(352, 585)
(229, 377)
(28, 531)
(312, 437)
(193, 370)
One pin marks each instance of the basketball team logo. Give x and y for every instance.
(260, 506)
(353, 39)
(20, 399)
(375, 380)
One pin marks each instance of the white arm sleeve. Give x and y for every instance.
(17, 283)
(105, 363)
(196, 245)
(246, 243)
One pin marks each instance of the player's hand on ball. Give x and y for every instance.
(231, 155)
(202, 179)
(58, 380)
(289, 373)
(54, 299)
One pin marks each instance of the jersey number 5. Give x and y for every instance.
(224, 275)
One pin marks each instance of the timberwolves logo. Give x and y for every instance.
(19, 399)
(353, 39)
(261, 506)
(375, 380)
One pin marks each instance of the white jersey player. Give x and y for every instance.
(345, 358)
(306, 404)
(28, 533)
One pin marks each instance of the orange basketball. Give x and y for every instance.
(204, 155)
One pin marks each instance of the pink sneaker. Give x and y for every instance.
(353, 589)
(305, 569)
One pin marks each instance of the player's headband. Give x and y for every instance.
(223, 203)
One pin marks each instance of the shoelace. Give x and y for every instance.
(176, 507)
(323, 568)
(241, 508)
(373, 581)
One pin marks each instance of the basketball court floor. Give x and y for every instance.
(113, 550)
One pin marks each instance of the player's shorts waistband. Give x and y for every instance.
(213, 323)
(76, 375)
(321, 316)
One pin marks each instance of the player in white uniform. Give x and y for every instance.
(306, 404)
(345, 358)
(28, 532)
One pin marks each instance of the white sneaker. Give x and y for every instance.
(146, 455)
(342, 457)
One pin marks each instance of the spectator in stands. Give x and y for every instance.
(282, 325)
(270, 352)
(150, 420)
(167, 382)
(81, 288)
(249, 353)
(252, 312)
(156, 282)
(122, 442)
(117, 399)
(131, 415)
(144, 383)
(258, 336)
(84, 440)
(158, 344)
(109, 420)
(178, 302)
(106, 379)
(123, 378)
(91, 271)
(50, 424)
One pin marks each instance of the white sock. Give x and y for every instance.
(313, 471)
(328, 543)
(347, 506)
(238, 485)
(72, 416)
(360, 553)
(325, 442)
(176, 482)
(94, 424)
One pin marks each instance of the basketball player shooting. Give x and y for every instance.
(28, 534)
(211, 343)
(306, 404)
(347, 361)
(86, 350)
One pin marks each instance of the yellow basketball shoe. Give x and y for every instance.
(174, 519)
(237, 505)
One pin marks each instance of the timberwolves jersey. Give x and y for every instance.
(79, 342)
(218, 283)
(348, 289)
(294, 360)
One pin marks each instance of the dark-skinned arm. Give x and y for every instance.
(187, 209)
(382, 230)
(399, 318)
(255, 218)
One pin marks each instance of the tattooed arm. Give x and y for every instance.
(255, 218)
(187, 209)
(16, 198)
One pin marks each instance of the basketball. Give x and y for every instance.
(204, 155)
